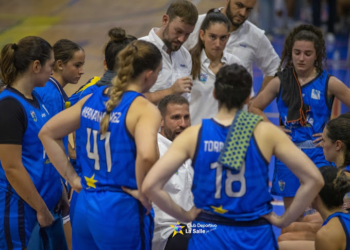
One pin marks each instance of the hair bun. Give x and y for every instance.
(116, 34)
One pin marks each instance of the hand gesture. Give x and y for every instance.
(274, 219)
(182, 85)
(44, 217)
(139, 196)
(318, 141)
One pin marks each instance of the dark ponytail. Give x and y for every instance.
(16, 58)
(337, 184)
(118, 41)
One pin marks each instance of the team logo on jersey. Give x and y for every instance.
(183, 66)
(243, 45)
(282, 185)
(316, 94)
(177, 229)
(32, 113)
(203, 77)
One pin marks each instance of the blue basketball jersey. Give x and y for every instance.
(347, 169)
(54, 99)
(238, 195)
(44, 176)
(77, 95)
(344, 219)
(53, 96)
(108, 160)
(315, 95)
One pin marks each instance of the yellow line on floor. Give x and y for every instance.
(31, 26)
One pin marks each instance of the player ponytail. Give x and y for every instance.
(304, 32)
(213, 16)
(118, 41)
(337, 184)
(16, 58)
(137, 57)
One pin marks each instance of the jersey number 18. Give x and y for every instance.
(230, 178)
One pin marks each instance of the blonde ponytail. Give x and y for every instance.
(120, 83)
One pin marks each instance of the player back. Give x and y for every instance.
(108, 163)
(232, 200)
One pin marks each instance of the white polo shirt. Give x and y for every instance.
(177, 66)
(249, 44)
(203, 105)
(179, 188)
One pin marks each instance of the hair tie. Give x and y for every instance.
(216, 11)
(14, 46)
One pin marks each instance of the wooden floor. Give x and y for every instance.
(84, 21)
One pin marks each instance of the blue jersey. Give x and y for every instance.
(347, 169)
(237, 195)
(44, 176)
(107, 161)
(344, 219)
(54, 98)
(77, 95)
(315, 95)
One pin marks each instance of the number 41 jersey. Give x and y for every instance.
(108, 160)
(236, 195)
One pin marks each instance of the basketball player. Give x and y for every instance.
(231, 191)
(334, 233)
(116, 132)
(30, 187)
(118, 41)
(305, 93)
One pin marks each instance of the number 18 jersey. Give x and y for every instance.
(237, 195)
(107, 160)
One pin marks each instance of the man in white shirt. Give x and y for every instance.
(177, 24)
(246, 41)
(175, 119)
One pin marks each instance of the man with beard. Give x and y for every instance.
(177, 24)
(175, 114)
(246, 41)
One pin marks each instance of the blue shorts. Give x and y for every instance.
(250, 235)
(111, 220)
(17, 220)
(285, 183)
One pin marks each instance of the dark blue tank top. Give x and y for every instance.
(238, 195)
(315, 95)
(44, 176)
(344, 219)
(108, 160)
